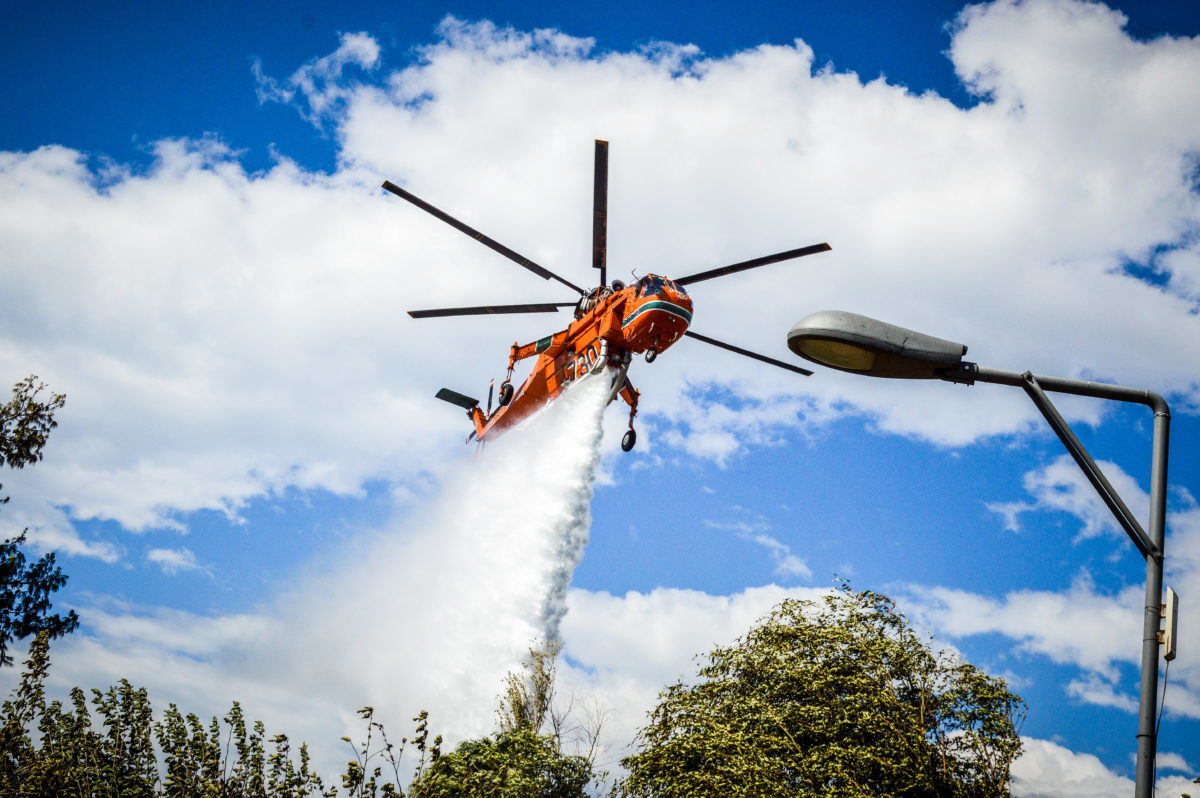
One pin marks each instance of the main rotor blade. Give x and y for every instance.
(747, 352)
(600, 211)
(490, 243)
(753, 264)
(484, 310)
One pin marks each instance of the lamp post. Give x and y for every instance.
(861, 345)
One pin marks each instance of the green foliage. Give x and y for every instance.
(25, 424)
(518, 760)
(839, 699)
(525, 705)
(511, 764)
(71, 757)
(363, 781)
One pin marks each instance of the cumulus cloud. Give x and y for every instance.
(1098, 624)
(223, 335)
(1046, 769)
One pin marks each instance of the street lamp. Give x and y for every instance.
(861, 345)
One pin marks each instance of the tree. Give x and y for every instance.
(517, 761)
(116, 758)
(512, 764)
(839, 698)
(25, 424)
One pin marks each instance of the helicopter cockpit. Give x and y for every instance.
(652, 285)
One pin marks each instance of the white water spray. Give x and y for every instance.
(539, 490)
(468, 584)
(428, 613)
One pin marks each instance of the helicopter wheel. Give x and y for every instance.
(506, 393)
(651, 354)
(628, 440)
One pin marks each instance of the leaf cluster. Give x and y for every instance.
(110, 747)
(25, 424)
(25, 597)
(510, 764)
(837, 699)
(361, 780)
(519, 759)
(117, 758)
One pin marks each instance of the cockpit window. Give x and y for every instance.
(651, 284)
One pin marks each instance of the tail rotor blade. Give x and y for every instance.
(747, 353)
(753, 264)
(600, 212)
(490, 243)
(456, 398)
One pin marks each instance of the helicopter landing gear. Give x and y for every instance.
(630, 395)
(506, 393)
(651, 354)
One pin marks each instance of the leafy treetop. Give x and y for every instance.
(841, 698)
(25, 424)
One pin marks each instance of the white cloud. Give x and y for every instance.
(1063, 486)
(1083, 625)
(173, 561)
(787, 564)
(755, 531)
(1010, 512)
(49, 529)
(652, 637)
(422, 639)
(1171, 761)
(279, 356)
(1076, 626)
(1094, 689)
(1047, 769)
(320, 81)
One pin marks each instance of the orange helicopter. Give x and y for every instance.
(612, 323)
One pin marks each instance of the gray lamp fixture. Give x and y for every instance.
(861, 345)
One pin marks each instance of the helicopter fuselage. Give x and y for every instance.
(610, 327)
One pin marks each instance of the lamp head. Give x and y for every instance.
(861, 345)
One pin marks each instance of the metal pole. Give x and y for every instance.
(969, 373)
(1147, 733)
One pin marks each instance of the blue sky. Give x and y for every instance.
(251, 455)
